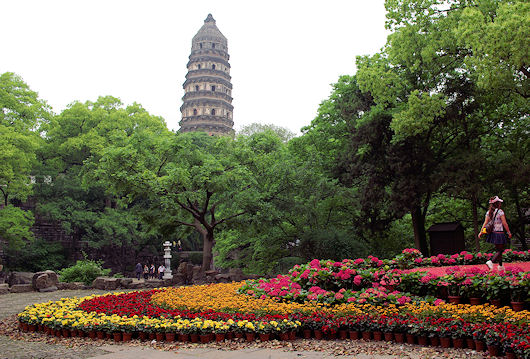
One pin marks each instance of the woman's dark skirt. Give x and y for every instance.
(496, 238)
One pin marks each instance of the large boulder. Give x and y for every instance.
(99, 283)
(21, 288)
(19, 278)
(124, 282)
(4, 288)
(46, 279)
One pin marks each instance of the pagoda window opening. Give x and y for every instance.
(199, 66)
(194, 112)
(213, 112)
(213, 67)
(213, 88)
(200, 45)
(213, 45)
(196, 87)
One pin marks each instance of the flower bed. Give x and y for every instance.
(321, 298)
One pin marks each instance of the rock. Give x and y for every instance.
(236, 274)
(4, 288)
(70, 286)
(19, 278)
(49, 289)
(124, 282)
(21, 288)
(44, 279)
(178, 279)
(62, 285)
(137, 285)
(222, 278)
(112, 283)
(99, 283)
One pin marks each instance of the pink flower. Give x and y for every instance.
(339, 296)
(315, 263)
(357, 280)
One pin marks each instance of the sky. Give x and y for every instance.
(284, 55)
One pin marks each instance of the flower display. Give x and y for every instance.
(362, 294)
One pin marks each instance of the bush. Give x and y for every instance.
(83, 271)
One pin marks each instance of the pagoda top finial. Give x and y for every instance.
(209, 18)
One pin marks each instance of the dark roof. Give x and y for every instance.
(444, 227)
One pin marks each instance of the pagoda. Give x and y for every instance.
(207, 101)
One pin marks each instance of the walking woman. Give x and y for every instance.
(497, 236)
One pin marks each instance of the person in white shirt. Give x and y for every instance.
(497, 236)
(161, 271)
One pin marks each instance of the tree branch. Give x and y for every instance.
(228, 218)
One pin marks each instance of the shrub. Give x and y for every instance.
(83, 271)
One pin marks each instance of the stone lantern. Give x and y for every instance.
(167, 260)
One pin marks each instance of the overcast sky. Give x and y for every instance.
(284, 55)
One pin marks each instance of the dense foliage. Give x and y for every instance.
(83, 271)
(424, 132)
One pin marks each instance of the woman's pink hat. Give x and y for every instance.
(496, 199)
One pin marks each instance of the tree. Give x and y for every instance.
(95, 220)
(197, 180)
(21, 112)
(284, 133)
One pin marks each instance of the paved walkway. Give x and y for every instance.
(17, 345)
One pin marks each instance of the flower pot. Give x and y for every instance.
(252, 336)
(170, 337)
(143, 335)
(229, 336)
(475, 301)
(128, 336)
(307, 333)
(81, 333)
(73, 332)
(411, 338)
(480, 346)
(455, 299)
(100, 334)
(423, 341)
(318, 334)
(517, 306)
(152, 336)
(435, 341)
(220, 337)
(205, 338)
(117, 337)
(493, 350)
(40, 327)
(378, 336)
(354, 334)
(284, 336)
(194, 338)
(389, 336)
(92, 334)
(58, 332)
(343, 334)
(65, 333)
(400, 337)
(32, 327)
(292, 335)
(367, 335)
(510, 355)
(108, 335)
(160, 336)
(445, 342)
(184, 338)
(264, 337)
(458, 343)
(25, 326)
(239, 335)
(496, 302)
(470, 343)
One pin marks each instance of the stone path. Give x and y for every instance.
(17, 345)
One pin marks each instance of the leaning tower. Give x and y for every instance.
(207, 97)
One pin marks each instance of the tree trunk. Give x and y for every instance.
(420, 236)
(207, 250)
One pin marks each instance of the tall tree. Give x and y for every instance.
(21, 112)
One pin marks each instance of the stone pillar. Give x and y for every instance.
(167, 260)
